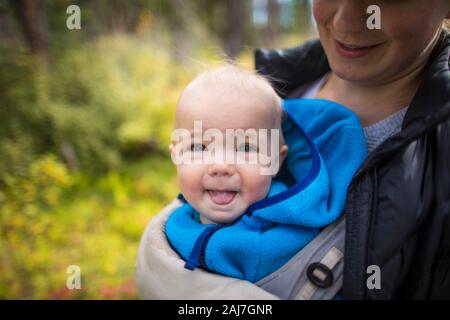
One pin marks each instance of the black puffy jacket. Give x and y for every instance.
(398, 208)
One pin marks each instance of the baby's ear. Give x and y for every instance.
(172, 151)
(283, 153)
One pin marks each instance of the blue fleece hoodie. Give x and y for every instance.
(326, 147)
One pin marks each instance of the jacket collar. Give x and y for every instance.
(290, 68)
(434, 92)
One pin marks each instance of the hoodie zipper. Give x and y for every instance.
(198, 253)
(197, 256)
(202, 260)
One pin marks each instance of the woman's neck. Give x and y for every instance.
(373, 103)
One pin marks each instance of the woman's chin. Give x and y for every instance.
(351, 74)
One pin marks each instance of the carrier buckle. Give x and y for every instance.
(320, 275)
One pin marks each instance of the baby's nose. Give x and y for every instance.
(221, 169)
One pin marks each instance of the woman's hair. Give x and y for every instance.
(446, 25)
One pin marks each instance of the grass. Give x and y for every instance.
(94, 223)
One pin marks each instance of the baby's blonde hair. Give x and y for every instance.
(232, 79)
(229, 79)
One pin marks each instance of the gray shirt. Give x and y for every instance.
(376, 133)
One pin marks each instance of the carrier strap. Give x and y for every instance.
(316, 272)
(331, 259)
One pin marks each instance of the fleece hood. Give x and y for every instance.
(326, 147)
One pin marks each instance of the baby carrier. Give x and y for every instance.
(290, 243)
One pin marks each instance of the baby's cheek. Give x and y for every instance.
(190, 180)
(255, 184)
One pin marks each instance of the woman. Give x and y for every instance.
(397, 81)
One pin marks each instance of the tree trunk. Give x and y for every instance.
(303, 16)
(235, 28)
(33, 20)
(180, 13)
(273, 22)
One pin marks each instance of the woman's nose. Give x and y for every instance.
(221, 169)
(350, 16)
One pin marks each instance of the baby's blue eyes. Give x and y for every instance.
(245, 147)
(198, 147)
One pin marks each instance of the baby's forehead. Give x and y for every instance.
(220, 107)
(229, 92)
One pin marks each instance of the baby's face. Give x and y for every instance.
(218, 189)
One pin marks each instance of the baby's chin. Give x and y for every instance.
(221, 217)
(211, 215)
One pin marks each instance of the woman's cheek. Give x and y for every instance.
(403, 20)
(400, 24)
(322, 10)
(408, 35)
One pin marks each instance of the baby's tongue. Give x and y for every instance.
(222, 197)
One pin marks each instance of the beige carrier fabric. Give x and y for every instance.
(160, 272)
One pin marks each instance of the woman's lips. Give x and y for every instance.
(350, 51)
(222, 197)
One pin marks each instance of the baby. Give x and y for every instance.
(238, 219)
(227, 98)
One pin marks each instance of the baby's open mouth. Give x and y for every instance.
(222, 197)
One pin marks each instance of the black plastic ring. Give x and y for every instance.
(325, 283)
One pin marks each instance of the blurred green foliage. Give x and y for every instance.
(83, 139)
(94, 104)
(54, 219)
(111, 104)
